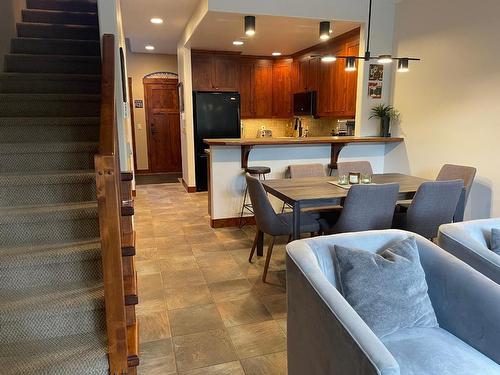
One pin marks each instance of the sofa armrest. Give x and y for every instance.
(455, 241)
(467, 303)
(325, 335)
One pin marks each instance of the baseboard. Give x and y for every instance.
(232, 222)
(189, 189)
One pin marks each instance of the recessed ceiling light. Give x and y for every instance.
(156, 21)
(150, 48)
(276, 53)
(238, 43)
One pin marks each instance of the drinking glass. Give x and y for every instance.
(343, 179)
(366, 178)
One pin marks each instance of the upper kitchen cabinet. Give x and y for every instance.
(305, 74)
(214, 72)
(282, 88)
(256, 87)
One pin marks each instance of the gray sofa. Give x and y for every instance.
(470, 242)
(326, 336)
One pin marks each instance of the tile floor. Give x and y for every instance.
(203, 308)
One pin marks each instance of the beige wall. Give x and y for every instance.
(139, 65)
(450, 101)
(10, 13)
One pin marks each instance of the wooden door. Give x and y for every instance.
(263, 91)
(282, 88)
(246, 78)
(202, 71)
(162, 115)
(225, 73)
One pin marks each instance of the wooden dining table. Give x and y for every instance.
(317, 191)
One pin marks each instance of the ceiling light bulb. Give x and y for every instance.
(350, 64)
(156, 21)
(324, 30)
(328, 58)
(403, 65)
(238, 43)
(384, 59)
(150, 48)
(276, 53)
(250, 25)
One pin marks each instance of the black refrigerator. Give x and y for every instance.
(216, 115)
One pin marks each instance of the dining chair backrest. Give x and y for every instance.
(265, 216)
(346, 167)
(458, 172)
(434, 204)
(307, 170)
(367, 207)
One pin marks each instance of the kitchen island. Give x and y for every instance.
(230, 156)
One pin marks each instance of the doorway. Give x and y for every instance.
(163, 125)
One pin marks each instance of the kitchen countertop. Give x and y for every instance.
(299, 141)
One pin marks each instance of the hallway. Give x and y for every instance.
(203, 308)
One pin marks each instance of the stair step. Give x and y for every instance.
(55, 31)
(48, 129)
(52, 64)
(63, 5)
(84, 354)
(49, 224)
(59, 17)
(50, 83)
(48, 265)
(64, 309)
(44, 46)
(50, 105)
(24, 157)
(18, 189)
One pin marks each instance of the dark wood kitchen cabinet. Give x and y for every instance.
(256, 88)
(305, 74)
(214, 72)
(282, 88)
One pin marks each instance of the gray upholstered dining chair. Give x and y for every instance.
(450, 172)
(366, 207)
(346, 167)
(434, 203)
(307, 170)
(271, 223)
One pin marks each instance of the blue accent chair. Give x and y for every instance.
(326, 336)
(469, 241)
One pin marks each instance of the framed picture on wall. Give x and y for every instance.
(376, 72)
(375, 90)
(180, 87)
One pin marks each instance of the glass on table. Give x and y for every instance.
(366, 178)
(343, 179)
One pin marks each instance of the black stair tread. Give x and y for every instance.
(38, 255)
(85, 41)
(53, 16)
(82, 354)
(39, 148)
(52, 299)
(40, 213)
(58, 26)
(51, 76)
(17, 97)
(49, 121)
(96, 59)
(72, 5)
(46, 177)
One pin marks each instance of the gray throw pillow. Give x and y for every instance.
(388, 290)
(495, 240)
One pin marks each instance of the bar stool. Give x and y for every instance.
(260, 172)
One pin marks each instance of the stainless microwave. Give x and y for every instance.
(304, 103)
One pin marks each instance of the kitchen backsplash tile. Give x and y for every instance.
(284, 127)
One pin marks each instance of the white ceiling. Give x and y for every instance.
(287, 35)
(217, 30)
(140, 31)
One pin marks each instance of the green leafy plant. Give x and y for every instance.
(383, 110)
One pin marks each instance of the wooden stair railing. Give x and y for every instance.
(108, 181)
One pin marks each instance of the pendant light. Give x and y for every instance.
(324, 30)
(249, 25)
(403, 65)
(350, 64)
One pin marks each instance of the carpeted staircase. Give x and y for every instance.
(52, 317)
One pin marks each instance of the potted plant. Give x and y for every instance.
(385, 113)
